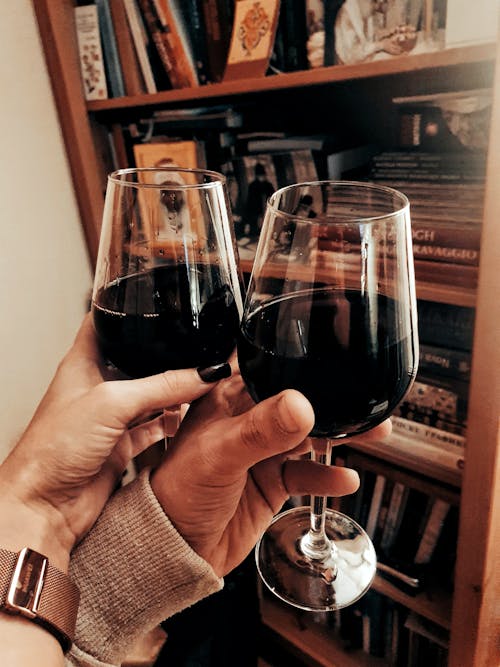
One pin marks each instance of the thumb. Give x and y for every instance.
(272, 427)
(126, 400)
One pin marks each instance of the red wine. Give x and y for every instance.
(350, 355)
(166, 318)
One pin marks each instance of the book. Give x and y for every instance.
(131, 71)
(292, 29)
(468, 23)
(444, 361)
(218, 21)
(375, 505)
(166, 28)
(440, 397)
(110, 49)
(432, 530)
(339, 163)
(402, 548)
(192, 16)
(452, 442)
(252, 38)
(141, 41)
(395, 511)
(90, 53)
(444, 324)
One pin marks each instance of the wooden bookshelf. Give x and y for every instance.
(471, 56)
(474, 608)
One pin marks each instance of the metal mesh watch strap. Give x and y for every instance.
(30, 586)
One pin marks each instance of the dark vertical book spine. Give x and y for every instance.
(192, 14)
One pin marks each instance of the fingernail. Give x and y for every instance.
(214, 373)
(286, 418)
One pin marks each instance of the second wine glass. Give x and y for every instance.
(167, 288)
(331, 312)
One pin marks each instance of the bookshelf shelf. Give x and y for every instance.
(432, 604)
(310, 641)
(411, 454)
(458, 296)
(471, 55)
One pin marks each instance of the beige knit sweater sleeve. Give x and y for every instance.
(133, 570)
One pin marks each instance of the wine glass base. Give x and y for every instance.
(334, 581)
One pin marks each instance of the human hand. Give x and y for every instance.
(233, 464)
(57, 479)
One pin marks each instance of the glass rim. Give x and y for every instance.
(218, 178)
(324, 219)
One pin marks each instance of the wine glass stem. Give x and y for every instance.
(315, 544)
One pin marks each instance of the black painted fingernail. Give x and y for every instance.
(214, 373)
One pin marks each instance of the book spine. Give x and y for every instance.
(294, 32)
(90, 53)
(446, 325)
(131, 71)
(155, 31)
(446, 398)
(432, 530)
(445, 361)
(429, 434)
(192, 14)
(169, 36)
(110, 48)
(218, 23)
(378, 492)
(139, 38)
(394, 516)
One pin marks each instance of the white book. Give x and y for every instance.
(138, 35)
(90, 52)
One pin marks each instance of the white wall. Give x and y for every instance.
(45, 276)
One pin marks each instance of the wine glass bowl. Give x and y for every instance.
(167, 285)
(331, 312)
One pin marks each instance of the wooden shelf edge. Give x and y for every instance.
(431, 604)
(458, 296)
(310, 639)
(322, 75)
(415, 455)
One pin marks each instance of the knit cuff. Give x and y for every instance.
(133, 570)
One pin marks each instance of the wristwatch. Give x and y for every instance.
(32, 587)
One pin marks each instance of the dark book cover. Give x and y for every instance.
(442, 361)
(192, 14)
(218, 20)
(292, 28)
(445, 324)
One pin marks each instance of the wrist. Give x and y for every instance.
(24, 526)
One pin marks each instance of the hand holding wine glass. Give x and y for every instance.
(331, 313)
(167, 285)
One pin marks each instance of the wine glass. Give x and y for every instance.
(331, 312)
(167, 288)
